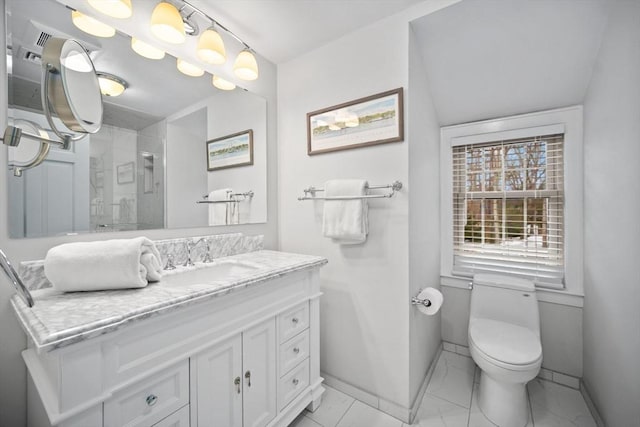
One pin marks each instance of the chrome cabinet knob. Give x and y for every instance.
(236, 382)
(296, 350)
(295, 320)
(295, 381)
(152, 399)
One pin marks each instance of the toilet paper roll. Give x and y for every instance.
(436, 298)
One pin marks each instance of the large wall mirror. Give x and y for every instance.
(150, 163)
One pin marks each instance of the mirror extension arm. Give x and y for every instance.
(15, 280)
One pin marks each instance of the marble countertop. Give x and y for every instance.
(60, 319)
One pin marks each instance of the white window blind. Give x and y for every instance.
(508, 208)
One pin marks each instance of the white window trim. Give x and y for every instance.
(504, 128)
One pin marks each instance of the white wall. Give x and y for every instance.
(364, 310)
(612, 203)
(424, 216)
(12, 370)
(366, 317)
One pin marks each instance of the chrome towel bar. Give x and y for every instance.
(233, 197)
(395, 186)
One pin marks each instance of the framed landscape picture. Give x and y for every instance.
(230, 151)
(125, 173)
(376, 119)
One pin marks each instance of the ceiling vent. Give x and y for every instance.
(42, 38)
(37, 34)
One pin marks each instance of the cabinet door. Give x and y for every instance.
(216, 385)
(259, 365)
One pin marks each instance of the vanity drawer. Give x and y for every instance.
(180, 418)
(149, 400)
(294, 351)
(293, 321)
(292, 384)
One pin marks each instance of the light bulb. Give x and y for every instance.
(246, 66)
(189, 69)
(145, 49)
(223, 84)
(91, 25)
(166, 24)
(211, 47)
(115, 8)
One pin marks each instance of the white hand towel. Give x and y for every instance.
(346, 221)
(218, 212)
(109, 264)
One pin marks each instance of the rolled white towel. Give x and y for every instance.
(108, 264)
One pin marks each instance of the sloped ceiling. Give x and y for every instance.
(494, 58)
(284, 29)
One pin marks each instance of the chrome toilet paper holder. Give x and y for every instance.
(419, 301)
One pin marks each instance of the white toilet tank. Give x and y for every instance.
(505, 298)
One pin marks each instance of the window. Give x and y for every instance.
(511, 200)
(508, 207)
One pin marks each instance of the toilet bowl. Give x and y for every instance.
(504, 341)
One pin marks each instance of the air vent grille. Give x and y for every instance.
(42, 39)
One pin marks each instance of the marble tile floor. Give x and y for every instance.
(451, 401)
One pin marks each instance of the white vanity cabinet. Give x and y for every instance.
(234, 382)
(248, 357)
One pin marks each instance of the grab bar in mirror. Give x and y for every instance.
(15, 280)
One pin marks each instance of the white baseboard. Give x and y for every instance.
(423, 387)
(406, 415)
(592, 407)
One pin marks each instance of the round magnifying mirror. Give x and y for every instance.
(70, 87)
(28, 153)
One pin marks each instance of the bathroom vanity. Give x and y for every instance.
(230, 343)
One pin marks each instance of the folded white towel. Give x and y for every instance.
(108, 264)
(345, 221)
(219, 212)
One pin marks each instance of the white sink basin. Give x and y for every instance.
(218, 271)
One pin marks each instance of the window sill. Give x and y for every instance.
(553, 296)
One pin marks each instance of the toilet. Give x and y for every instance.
(504, 341)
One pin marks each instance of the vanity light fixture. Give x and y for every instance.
(91, 25)
(166, 23)
(246, 67)
(223, 84)
(111, 85)
(120, 9)
(189, 69)
(211, 47)
(145, 49)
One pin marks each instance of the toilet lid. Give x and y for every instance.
(504, 342)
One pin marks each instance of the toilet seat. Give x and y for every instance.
(505, 345)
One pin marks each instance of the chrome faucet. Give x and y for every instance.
(190, 245)
(15, 280)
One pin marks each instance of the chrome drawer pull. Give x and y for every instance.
(247, 375)
(295, 381)
(295, 320)
(152, 399)
(296, 350)
(237, 384)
